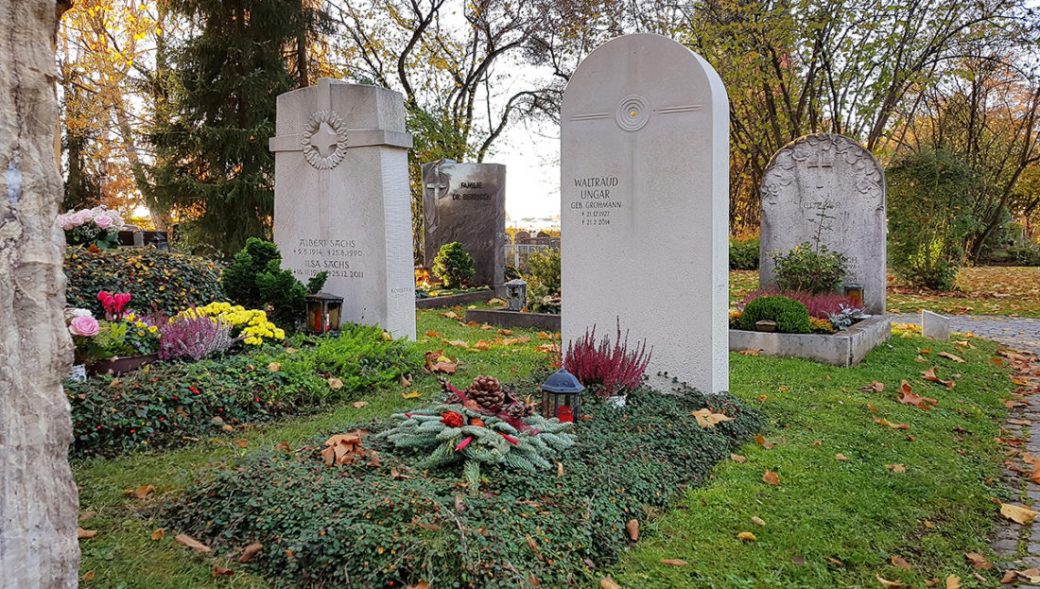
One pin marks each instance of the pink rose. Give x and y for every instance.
(103, 221)
(84, 326)
(81, 216)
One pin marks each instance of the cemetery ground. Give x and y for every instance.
(861, 478)
(981, 290)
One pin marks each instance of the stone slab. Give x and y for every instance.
(466, 202)
(935, 325)
(466, 298)
(540, 321)
(846, 348)
(342, 198)
(645, 205)
(827, 189)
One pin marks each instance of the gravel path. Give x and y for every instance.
(1020, 333)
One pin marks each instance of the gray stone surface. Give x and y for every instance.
(935, 325)
(467, 203)
(846, 348)
(342, 199)
(503, 318)
(1020, 333)
(827, 187)
(645, 201)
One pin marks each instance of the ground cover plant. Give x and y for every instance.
(853, 489)
(398, 524)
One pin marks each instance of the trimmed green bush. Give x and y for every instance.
(790, 315)
(453, 265)
(810, 269)
(171, 282)
(743, 254)
(255, 279)
(392, 525)
(171, 403)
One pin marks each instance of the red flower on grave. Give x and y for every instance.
(452, 419)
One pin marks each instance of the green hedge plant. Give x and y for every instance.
(809, 268)
(790, 315)
(743, 254)
(453, 265)
(255, 279)
(167, 281)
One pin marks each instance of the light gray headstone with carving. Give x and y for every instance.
(828, 189)
(645, 203)
(467, 203)
(342, 199)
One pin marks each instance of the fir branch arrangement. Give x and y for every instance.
(468, 433)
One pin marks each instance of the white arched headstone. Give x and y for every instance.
(827, 189)
(645, 193)
(342, 203)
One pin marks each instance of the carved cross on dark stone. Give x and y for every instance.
(823, 160)
(325, 140)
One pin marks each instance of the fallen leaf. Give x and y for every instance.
(632, 527)
(707, 419)
(437, 362)
(953, 582)
(875, 387)
(87, 576)
(283, 446)
(674, 562)
(738, 458)
(885, 422)
(746, 537)
(360, 404)
(505, 332)
(908, 397)
(899, 562)
(406, 380)
(159, 534)
(242, 443)
(143, 491)
(952, 357)
(1017, 513)
(978, 561)
(82, 534)
(425, 585)
(896, 468)
(411, 395)
(343, 448)
(457, 343)
(335, 384)
(432, 333)
(771, 478)
(192, 543)
(250, 551)
(840, 457)
(892, 584)
(559, 470)
(274, 366)
(608, 583)
(532, 544)
(762, 441)
(219, 571)
(930, 376)
(451, 315)
(758, 521)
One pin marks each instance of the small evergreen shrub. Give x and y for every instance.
(453, 265)
(544, 281)
(167, 281)
(790, 315)
(743, 254)
(810, 269)
(393, 524)
(255, 279)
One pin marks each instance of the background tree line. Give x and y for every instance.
(169, 102)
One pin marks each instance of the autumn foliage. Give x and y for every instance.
(609, 368)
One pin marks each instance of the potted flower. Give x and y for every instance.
(120, 343)
(97, 227)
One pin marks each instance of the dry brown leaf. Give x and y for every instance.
(220, 571)
(746, 537)
(1017, 513)
(425, 585)
(953, 582)
(608, 583)
(875, 387)
(437, 362)
(771, 478)
(978, 561)
(738, 458)
(762, 441)
(188, 541)
(896, 468)
(343, 448)
(674, 562)
(411, 395)
(406, 380)
(457, 343)
(242, 443)
(159, 534)
(87, 576)
(360, 404)
(82, 534)
(891, 584)
(335, 384)
(885, 422)
(143, 491)
(952, 357)
(841, 457)
(274, 366)
(899, 562)
(908, 397)
(930, 376)
(707, 419)
(432, 333)
(250, 551)
(758, 521)
(632, 527)
(559, 470)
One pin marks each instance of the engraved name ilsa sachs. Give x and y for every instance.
(596, 194)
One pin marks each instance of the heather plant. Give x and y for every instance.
(188, 337)
(608, 368)
(820, 306)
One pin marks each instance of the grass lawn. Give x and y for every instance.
(837, 523)
(856, 512)
(987, 290)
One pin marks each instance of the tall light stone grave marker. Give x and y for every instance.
(467, 203)
(827, 190)
(342, 200)
(645, 192)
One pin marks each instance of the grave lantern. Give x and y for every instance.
(516, 294)
(561, 396)
(323, 312)
(855, 294)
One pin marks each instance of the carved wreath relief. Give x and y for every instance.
(817, 155)
(324, 140)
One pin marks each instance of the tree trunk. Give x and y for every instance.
(38, 503)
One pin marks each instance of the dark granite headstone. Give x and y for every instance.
(467, 203)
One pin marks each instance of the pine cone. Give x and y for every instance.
(516, 410)
(485, 383)
(490, 400)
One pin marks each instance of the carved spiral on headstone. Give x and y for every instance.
(632, 113)
(324, 140)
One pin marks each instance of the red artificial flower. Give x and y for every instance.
(509, 439)
(452, 419)
(462, 445)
